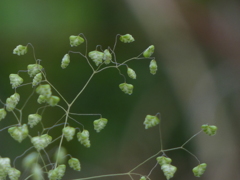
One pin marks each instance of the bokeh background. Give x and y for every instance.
(197, 51)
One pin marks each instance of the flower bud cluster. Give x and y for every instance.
(131, 73)
(20, 50)
(57, 173)
(6, 169)
(37, 79)
(12, 101)
(76, 40)
(65, 61)
(153, 67)
(96, 56)
(199, 170)
(127, 38)
(99, 124)
(34, 69)
(126, 88)
(151, 121)
(149, 51)
(40, 142)
(168, 169)
(107, 57)
(209, 130)
(15, 80)
(69, 132)
(83, 138)
(19, 133)
(45, 95)
(3, 113)
(75, 164)
(34, 119)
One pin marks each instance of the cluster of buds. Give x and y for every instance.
(19, 133)
(168, 169)
(6, 169)
(69, 132)
(99, 124)
(34, 69)
(96, 56)
(34, 119)
(12, 101)
(20, 50)
(15, 80)
(199, 170)
(57, 173)
(40, 142)
(3, 113)
(37, 79)
(151, 121)
(75, 164)
(45, 95)
(107, 57)
(153, 67)
(131, 73)
(149, 51)
(83, 138)
(127, 38)
(126, 88)
(209, 129)
(76, 40)
(65, 61)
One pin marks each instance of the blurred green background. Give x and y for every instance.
(197, 51)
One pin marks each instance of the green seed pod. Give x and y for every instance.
(69, 132)
(99, 124)
(127, 38)
(30, 160)
(34, 69)
(126, 88)
(44, 90)
(53, 100)
(37, 79)
(19, 133)
(83, 138)
(41, 99)
(107, 57)
(3, 113)
(12, 101)
(34, 119)
(60, 155)
(20, 50)
(96, 56)
(40, 142)
(149, 51)
(65, 61)
(15, 80)
(151, 121)
(168, 170)
(131, 73)
(143, 178)
(75, 164)
(76, 40)
(153, 67)
(163, 160)
(57, 173)
(209, 130)
(199, 170)
(14, 174)
(4, 167)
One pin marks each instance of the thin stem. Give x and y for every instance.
(192, 154)
(33, 51)
(102, 176)
(21, 155)
(191, 138)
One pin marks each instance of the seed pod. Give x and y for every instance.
(127, 38)
(15, 80)
(75, 164)
(107, 57)
(83, 138)
(65, 61)
(20, 50)
(126, 88)
(57, 173)
(53, 100)
(3, 113)
(143, 178)
(44, 90)
(14, 174)
(69, 132)
(151, 121)
(37, 79)
(12, 101)
(40, 142)
(153, 67)
(99, 124)
(76, 40)
(41, 99)
(34, 69)
(209, 130)
(168, 170)
(34, 119)
(163, 160)
(131, 73)
(19, 133)
(149, 51)
(199, 170)
(96, 56)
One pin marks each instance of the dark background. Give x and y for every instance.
(197, 51)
